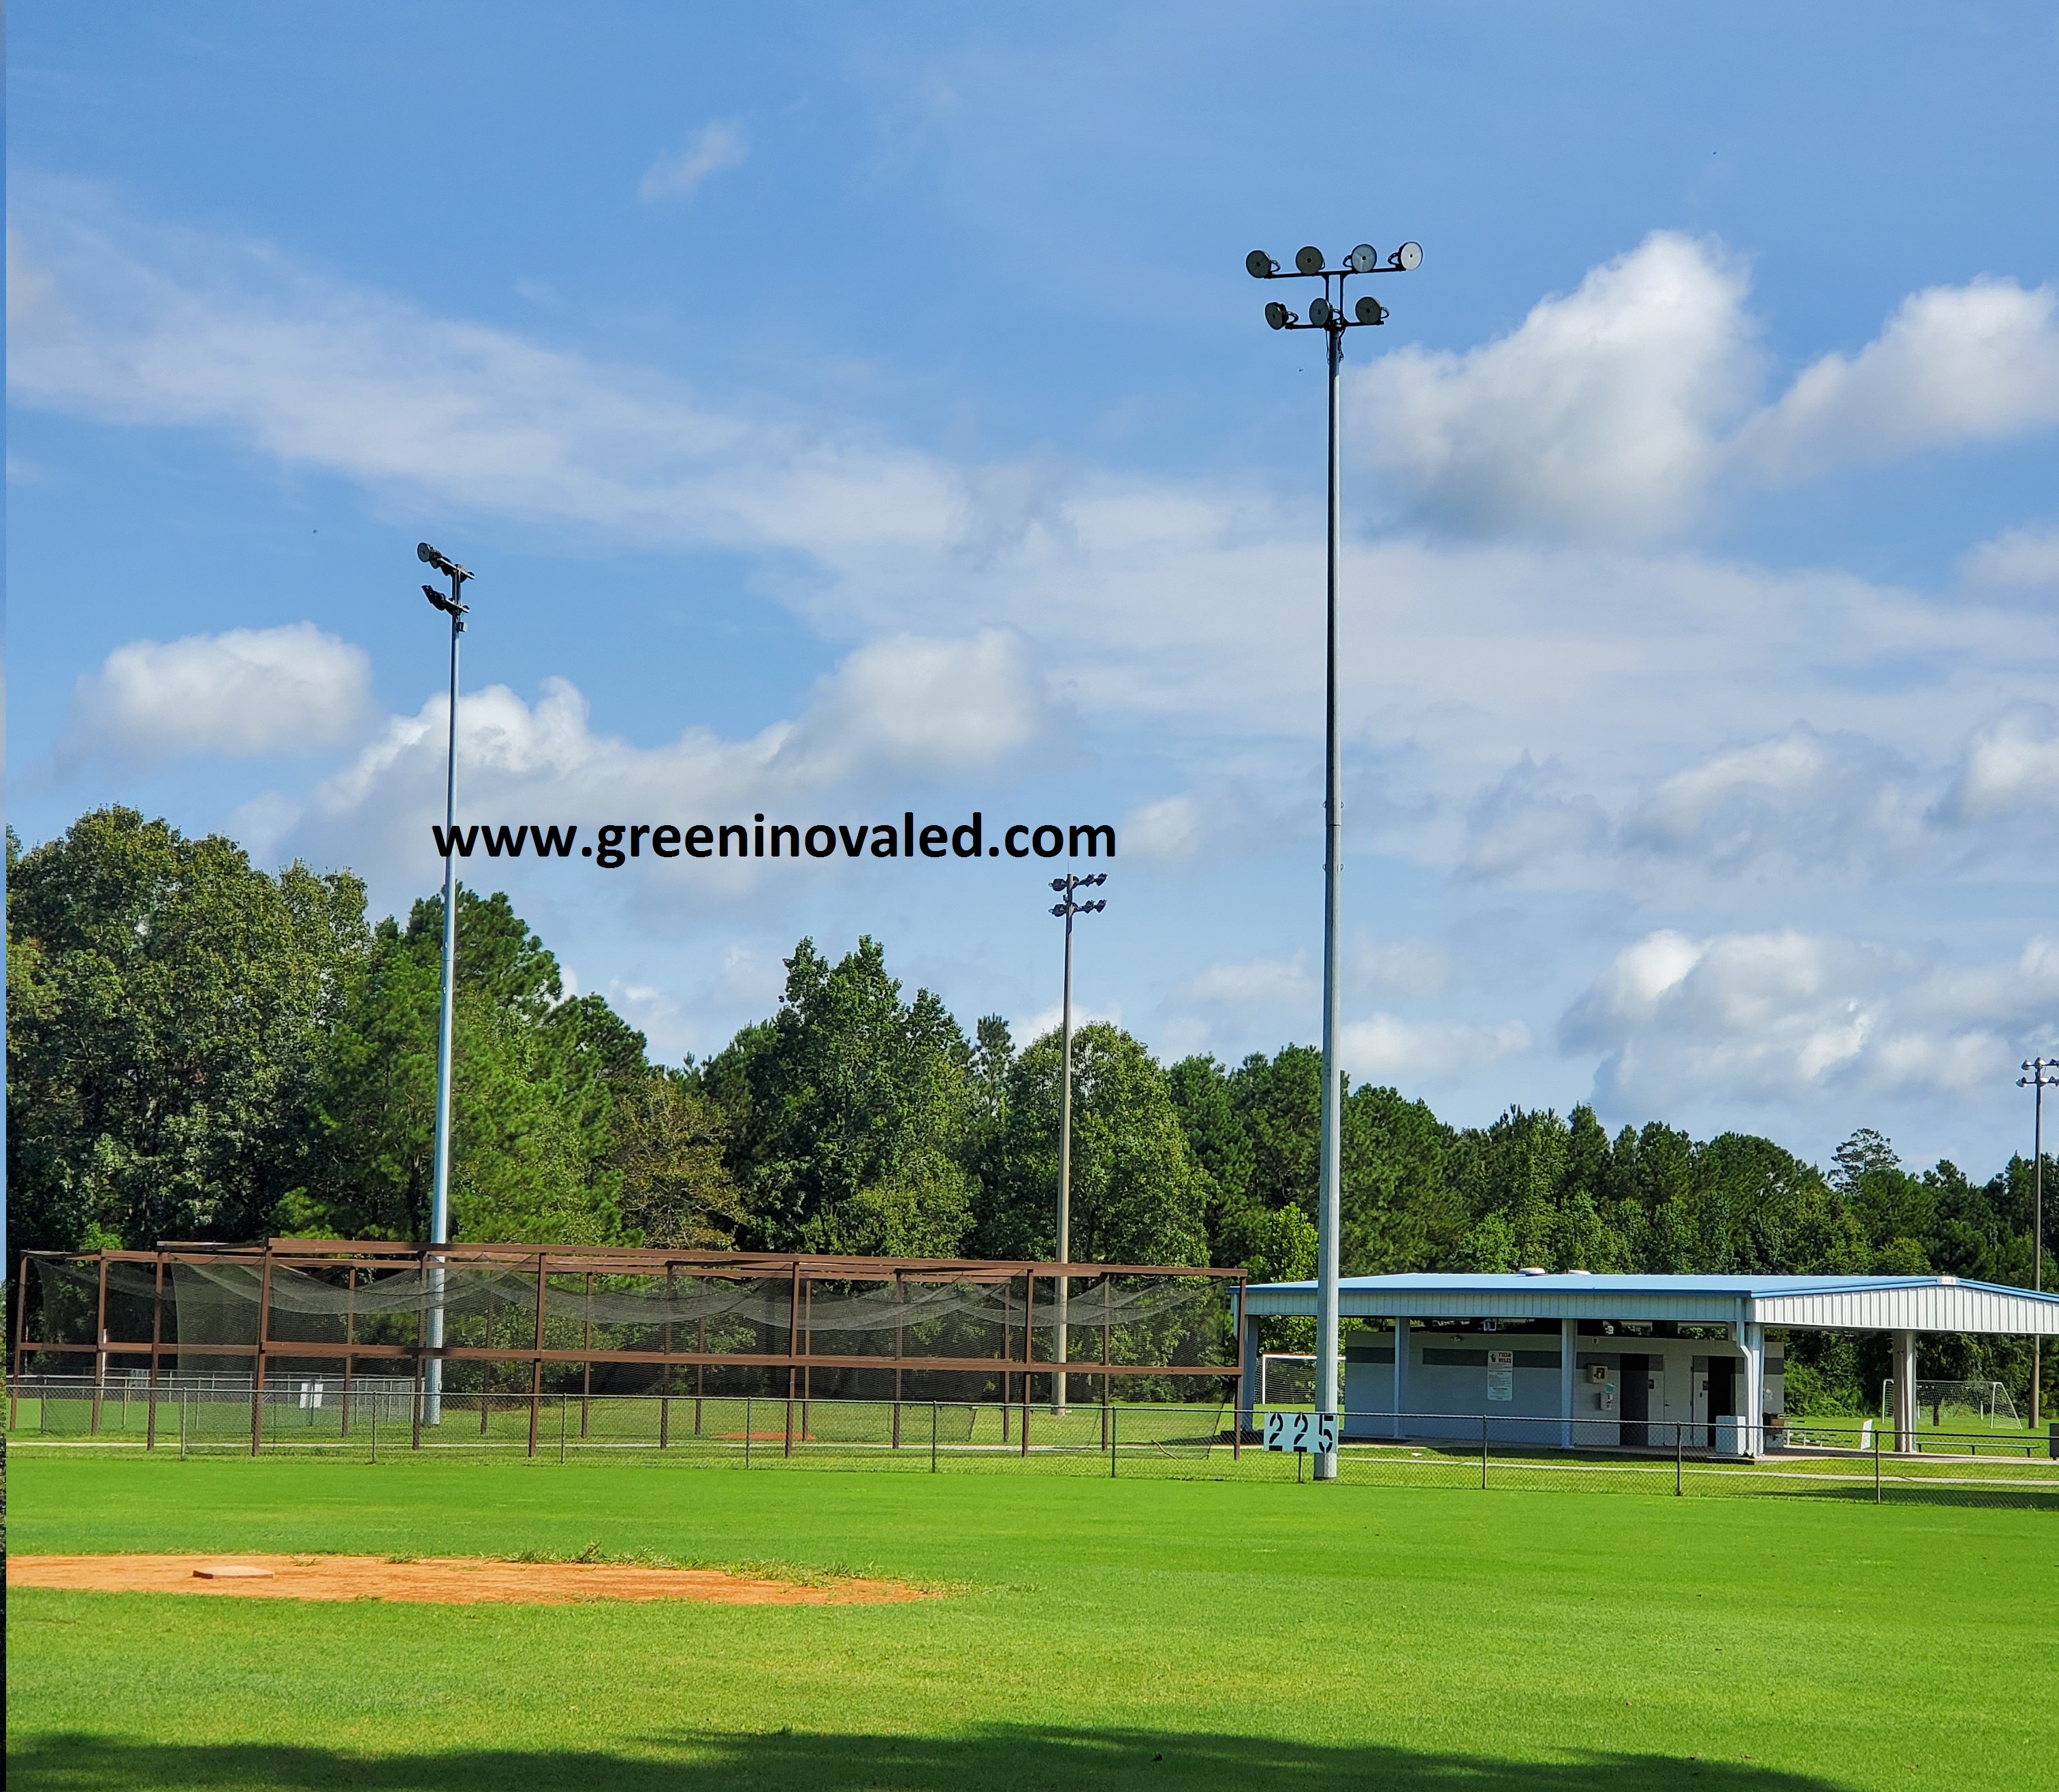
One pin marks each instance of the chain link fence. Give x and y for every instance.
(386, 1418)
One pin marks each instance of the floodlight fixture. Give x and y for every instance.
(1308, 261)
(428, 556)
(1320, 313)
(1371, 310)
(1277, 315)
(1364, 259)
(1408, 258)
(1260, 265)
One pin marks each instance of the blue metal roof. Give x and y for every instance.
(1857, 1303)
(1736, 1288)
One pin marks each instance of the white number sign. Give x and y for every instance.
(1303, 1433)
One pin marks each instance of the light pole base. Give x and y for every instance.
(1325, 1463)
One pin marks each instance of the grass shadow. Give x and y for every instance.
(995, 1756)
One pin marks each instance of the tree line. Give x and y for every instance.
(199, 1049)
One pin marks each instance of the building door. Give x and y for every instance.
(1722, 1393)
(1636, 1401)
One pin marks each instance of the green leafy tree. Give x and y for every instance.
(166, 1005)
(1400, 1210)
(671, 1141)
(1137, 1194)
(849, 1113)
(534, 1085)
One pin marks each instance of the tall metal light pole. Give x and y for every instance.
(2039, 1074)
(432, 1370)
(1067, 887)
(1329, 316)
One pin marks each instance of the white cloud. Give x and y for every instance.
(2016, 559)
(714, 147)
(1227, 820)
(893, 708)
(2010, 768)
(289, 690)
(1528, 820)
(1979, 362)
(1629, 992)
(227, 336)
(1407, 967)
(1790, 1017)
(1385, 1048)
(1598, 413)
(1027, 1030)
(943, 705)
(1620, 409)
(1803, 801)
(1802, 798)
(1251, 986)
(1171, 829)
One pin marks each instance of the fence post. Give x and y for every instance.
(747, 1431)
(1679, 1434)
(1113, 1415)
(378, 1400)
(936, 1415)
(561, 1425)
(183, 1397)
(1876, 1467)
(1483, 1424)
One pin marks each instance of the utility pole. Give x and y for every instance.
(1067, 887)
(2040, 1074)
(432, 1370)
(1329, 316)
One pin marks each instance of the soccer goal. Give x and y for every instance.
(1286, 1378)
(1946, 1404)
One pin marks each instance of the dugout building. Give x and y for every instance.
(1581, 1360)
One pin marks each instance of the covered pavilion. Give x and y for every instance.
(1614, 1361)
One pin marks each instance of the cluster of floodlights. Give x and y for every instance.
(449, 567)
(1066, 885)
(1309, 264)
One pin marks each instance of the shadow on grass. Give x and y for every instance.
(1002, 1756)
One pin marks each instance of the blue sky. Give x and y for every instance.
(848, 411)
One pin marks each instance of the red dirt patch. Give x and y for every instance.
(441, 1580)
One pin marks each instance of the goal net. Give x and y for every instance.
(1954, 1405)
(1286, 1378)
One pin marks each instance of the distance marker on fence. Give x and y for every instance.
(1313, 1434)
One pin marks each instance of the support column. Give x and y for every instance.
(1400, 1372)
(1905, 1392)
(1752, 1340)
(1569, 1351)
(1247, 1383)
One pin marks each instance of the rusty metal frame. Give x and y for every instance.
(800, 1271)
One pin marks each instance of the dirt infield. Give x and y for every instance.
(441, 1580)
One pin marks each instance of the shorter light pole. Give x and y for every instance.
(432, 1371)
(2039, 1074)
(1068, 887)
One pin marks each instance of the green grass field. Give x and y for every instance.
(1100, 1634)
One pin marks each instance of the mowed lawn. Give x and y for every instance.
(1096, 1634)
